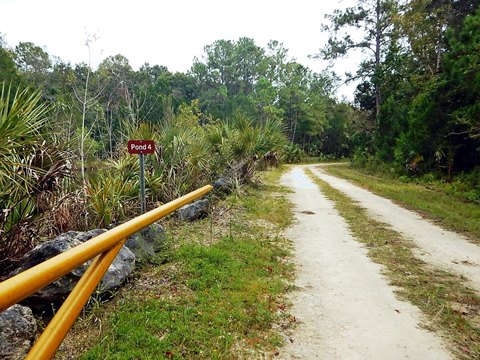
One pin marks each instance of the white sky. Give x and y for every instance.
(169, 33)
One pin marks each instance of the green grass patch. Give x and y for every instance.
(218, 296)
(431, 201)
(450, 306)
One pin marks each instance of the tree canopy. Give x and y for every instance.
(419, 80)
(416, 106)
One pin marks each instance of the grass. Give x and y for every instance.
(217, 297)
(447, 209)
(449, 304)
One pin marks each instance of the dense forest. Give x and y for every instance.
(419, 80)
(64, 127)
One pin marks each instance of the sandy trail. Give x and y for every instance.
(445, 249)
(345, 306)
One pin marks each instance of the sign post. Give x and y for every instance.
(143, 202)
(141, 147)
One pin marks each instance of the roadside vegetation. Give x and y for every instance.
(43, 195)
(451, 307)
(440, 201)
(217, 292)
(64, 130)
(240, 106)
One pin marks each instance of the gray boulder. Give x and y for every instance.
(146, 243)
(17, 332)
(56, 292)
(119, 270)
(223, 185)
(194, 211)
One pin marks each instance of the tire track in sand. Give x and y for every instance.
(444, 249)
(345, 306)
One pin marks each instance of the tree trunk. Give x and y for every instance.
(84, 113)
(378, 38)
(294, 126)
(439, 49)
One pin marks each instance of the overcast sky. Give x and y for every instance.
(169, 33)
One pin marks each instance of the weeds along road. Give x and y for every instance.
(345, 307)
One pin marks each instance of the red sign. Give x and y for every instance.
(141, 146)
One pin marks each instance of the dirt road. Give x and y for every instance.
(437, 246)
(345, 306)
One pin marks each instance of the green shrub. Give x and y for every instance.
(466, 185)
(110, 198)
(292, 153)
(32, 162)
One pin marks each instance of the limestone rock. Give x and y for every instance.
(194, 211)
(56, 292)
(146, 243)
(223, 185)
(17, 332)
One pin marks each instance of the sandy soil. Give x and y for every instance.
(436, 246)
(345, 307)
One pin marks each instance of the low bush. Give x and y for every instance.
(110, 198)
(191, 151)
(32, 164)
(292, 153)
(466, 185)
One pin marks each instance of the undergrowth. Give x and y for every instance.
(217, 296)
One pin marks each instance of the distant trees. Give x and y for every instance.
(420, 80)
(9, 71)
(228, 75)
(447, 117)
(33, 62)
(264, 84)
(94, 107)
(93, 110)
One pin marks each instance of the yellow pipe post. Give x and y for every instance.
(53, 335)
(26, 283)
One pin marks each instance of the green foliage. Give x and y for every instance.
(228, 77)
(362, 157)
(92, 147)
(110, 198)
(462, 68)
(441, 130)
(127, 167)
(32, 58)
(9, 73)
(466, 185)
(422, 83)
(241, 145)
(31, 164)
(292, 153)
(263, 85)
(181, 161)
(375, 19)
